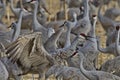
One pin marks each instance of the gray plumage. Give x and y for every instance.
(95, 75)
(30, 55)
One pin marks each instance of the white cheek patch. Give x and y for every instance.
(51, 31)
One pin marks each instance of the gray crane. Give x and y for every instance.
(65, 73)
(112, 66)
(90, 48)
(3, 71)
(106, 22)
(69, 26)
(62, 40)
(42, 17)
(51, 43)
(29, 53)
(112, 13)
(112, 48)
(27, 16)
(36, 26)
(3, 10)
(13, 69)
(95, 75)
(72, 3)
(16, 11)
(70, 11)
(83, 25)
(13, 34)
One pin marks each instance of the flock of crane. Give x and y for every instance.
(65, 48)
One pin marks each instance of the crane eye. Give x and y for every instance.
(13, 25)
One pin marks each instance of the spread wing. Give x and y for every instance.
(28, 50)
(16, 49)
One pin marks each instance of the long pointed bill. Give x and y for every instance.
(29, 1)
(47, 10)
(86, 37)
(63, 24)
(90, 39)
(73, 54)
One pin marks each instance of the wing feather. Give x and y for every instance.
(29, 51)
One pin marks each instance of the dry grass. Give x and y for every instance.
(53, 6)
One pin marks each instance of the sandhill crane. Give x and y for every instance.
(68, 52)
(17, 27)
(13, 69)
(112, 13)
(28, 52)
(108, 65)
(110, 36)
(23, 3)
(51, 43)
(83, 25)
(70, 11)
(42, 18)
(16, 11)
(36, 26)
(13, 34)
(108, 50)
(112, 66)
(43, 4)
(54, 24)
(57, 24)
(113, 48)
(73, 3)
(2, 11)
(3, 72)
(69, 26)
(65, 73)
(106, 22)
(96, 3)
(27, 16)
(95, 75)
(61, 40)
(27, 20)
(90, 47)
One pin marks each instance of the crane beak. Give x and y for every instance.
(63, 24)
(86, 37)
(29, 1)
(74, 54)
